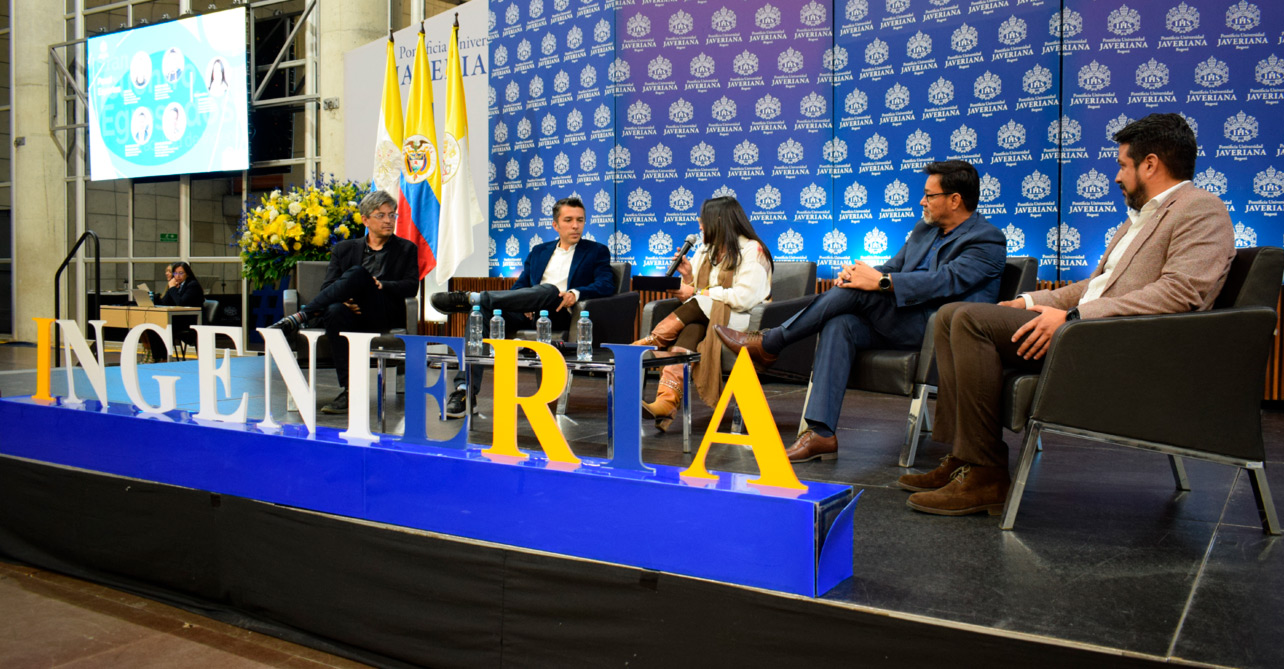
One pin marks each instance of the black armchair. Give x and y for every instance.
(311, 276)
(912, 373)
(793, 285)
(613, 316)
(1201, 374)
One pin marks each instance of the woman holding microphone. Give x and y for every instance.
(729, 275)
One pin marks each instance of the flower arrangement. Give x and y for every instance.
(303, 223)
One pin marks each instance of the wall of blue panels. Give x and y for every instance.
(819, 116)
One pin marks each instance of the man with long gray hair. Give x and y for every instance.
(365, 286)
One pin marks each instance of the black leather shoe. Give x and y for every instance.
(453, 302)
(337, 406)
(290, 324)
(456, 407)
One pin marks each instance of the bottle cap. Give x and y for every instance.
(543, 313)
(476, 307)
(498, 312)
(583, 314)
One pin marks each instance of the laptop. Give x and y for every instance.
(142, 296)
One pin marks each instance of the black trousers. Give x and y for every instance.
(355, 285)
(514, 305)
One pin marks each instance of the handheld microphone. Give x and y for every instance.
(691, 240)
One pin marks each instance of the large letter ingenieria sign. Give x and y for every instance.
(771, 531)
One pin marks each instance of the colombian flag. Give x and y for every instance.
(387, 159)
(419, 206)
(459, 208)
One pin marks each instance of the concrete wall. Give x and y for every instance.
(39, 195)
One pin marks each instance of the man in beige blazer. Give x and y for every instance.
(1171, 256)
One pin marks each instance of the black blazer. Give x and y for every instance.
(400, 276)
(186, 294)
(400, 269)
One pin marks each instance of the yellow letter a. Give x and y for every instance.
(504, 441)
(760, 431)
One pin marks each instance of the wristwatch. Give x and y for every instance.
(1072, 314)
(885, 283)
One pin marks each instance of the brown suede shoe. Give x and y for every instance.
(735, 340)
(972, 489)
(811, 446)
(934, 480)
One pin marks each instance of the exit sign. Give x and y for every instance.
(169, 236)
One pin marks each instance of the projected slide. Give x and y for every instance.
(169, 99)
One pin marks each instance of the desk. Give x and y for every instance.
(603, 361)
(128, 316)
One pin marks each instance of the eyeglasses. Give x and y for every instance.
(929, 196)
(380, 216)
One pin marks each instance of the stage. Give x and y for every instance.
(1108, 563)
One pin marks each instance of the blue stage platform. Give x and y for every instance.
(728, 530)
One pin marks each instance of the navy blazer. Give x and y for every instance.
(590, 269)
(968, 267)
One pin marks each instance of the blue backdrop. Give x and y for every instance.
(818, 117)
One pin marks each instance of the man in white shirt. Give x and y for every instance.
(1171, 256)
(555, 276)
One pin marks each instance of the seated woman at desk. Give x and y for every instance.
(729, 275)
(183, 291)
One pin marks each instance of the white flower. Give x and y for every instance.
(295, 208)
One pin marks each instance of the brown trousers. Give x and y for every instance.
(973, 347)
(694, 325)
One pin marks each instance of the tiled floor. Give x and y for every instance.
(1105, 551)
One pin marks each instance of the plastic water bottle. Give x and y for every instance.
(584, 343)
(497, 325)
(475, 336)
(544, 328)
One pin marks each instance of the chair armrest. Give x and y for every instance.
(926, 372)
(1192, 380)
(654, 312)
(772, 314)
(613, 317)
(412, 315)
(795, 362)
(290, 301)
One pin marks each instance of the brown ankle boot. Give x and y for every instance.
(972, 489)
(933, 480)
(663, 334)
(667, 398)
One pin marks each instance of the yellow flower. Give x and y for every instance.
(342, 230)
(356, 217)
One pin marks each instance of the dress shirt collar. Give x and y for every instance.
(1155, 202)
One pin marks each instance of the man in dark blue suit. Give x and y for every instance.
(953, 254)
(555, 276)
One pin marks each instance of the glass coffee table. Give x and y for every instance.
(603, 361)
